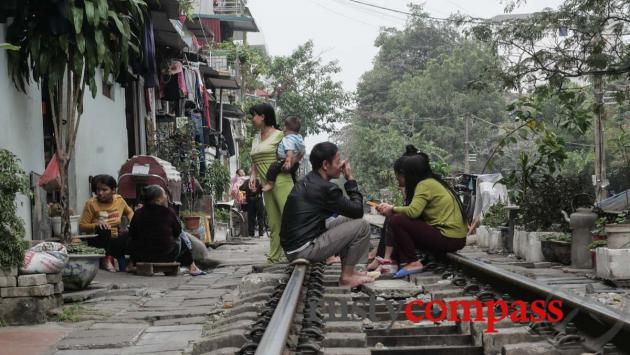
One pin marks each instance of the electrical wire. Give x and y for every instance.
(343, 15)
(372, 12)
(471, 19)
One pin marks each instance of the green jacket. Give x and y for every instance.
(437, 206)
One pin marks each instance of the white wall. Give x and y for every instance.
(101, 146)
(21, 128)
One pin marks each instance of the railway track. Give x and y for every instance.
(309, 314)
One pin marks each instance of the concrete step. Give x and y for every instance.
(346, 340)
(421, 340)
(429, 350)
(345, 351)
(431, 330)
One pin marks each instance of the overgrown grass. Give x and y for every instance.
(70, 313)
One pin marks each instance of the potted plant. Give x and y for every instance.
(560, 244)
(13, 181)
(495, 218)
(619, 231)
(599, 233)
(54, 211)
(217, 180)
(593, 246)
(82, 265)
(191, 219)
(221, 225)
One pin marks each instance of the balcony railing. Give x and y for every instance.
(218, 60)
(229, 7)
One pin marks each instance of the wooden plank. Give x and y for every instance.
(40, 221)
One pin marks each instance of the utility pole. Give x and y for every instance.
(466, 145)
(599, 179)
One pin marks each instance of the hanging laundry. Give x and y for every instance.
(150, 71)
(177, 70)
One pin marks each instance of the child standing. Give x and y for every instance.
(290, 152)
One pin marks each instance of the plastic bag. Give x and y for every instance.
(51, 179)
(45, 258)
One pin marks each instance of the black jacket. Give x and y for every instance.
(249, 194)
(310, 203)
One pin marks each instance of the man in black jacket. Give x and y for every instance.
(255, 208)
(305, 232)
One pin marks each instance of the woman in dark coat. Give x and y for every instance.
(156, 235)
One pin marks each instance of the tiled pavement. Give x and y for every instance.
(141, 315)
(156, 321)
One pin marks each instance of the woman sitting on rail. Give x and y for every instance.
(432, 219)
(156, 235)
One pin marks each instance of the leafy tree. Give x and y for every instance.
(426, 78)
(304, 86)
(65, 43)
(452, 86)
(582, 40)
(373, 150)
(401, 52)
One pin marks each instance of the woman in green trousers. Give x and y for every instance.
(263, 154)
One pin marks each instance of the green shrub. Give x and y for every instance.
(557, 237)
(496, 216)
(83, 248)
(598, 244)
(221, 215)
(13, 180)
(542, 204)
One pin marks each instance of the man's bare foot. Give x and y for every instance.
(373, 265)
(354, 280)
(268, 186)
(333, 260)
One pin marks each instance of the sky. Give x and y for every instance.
(344, 31)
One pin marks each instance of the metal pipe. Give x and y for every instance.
(277, 332)
(601, 312)
(220, 145)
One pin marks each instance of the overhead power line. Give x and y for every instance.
(471, 20)
(381, 7)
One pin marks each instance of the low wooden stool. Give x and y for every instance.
(148, 269)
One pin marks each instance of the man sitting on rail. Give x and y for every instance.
(314, 199)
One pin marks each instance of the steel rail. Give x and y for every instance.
(275, 337)
(600, 312)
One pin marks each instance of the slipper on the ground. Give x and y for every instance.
(198, 273)
(404, 272)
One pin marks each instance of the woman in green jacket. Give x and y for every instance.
(263, 154)
(432, 219)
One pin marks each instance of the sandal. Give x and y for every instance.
(198, 273)
(405, 272)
